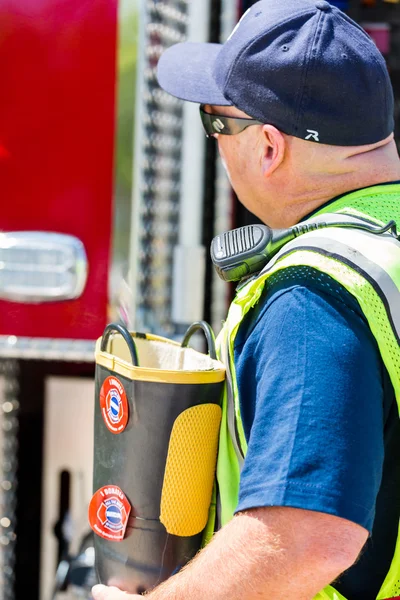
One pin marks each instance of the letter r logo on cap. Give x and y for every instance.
(312, 134)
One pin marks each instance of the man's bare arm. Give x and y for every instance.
(264, 553)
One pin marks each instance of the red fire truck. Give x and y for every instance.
(109, 200)
(105, 216)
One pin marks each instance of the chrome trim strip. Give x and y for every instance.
(128, 43)
(9, 408)
(12, 346)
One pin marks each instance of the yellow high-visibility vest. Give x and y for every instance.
(366, 265)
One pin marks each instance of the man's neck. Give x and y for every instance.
(315, 184)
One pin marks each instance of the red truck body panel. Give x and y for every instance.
(57, 121)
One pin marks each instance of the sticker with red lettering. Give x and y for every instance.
(109, 510)
(114, 405)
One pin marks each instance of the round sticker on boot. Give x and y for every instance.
(109, 510)
(114, 405)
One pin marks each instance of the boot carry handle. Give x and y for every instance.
(116, 327)
(208, 332)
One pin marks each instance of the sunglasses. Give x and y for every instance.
(224, 125)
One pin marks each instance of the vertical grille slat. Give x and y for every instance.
(160, 171)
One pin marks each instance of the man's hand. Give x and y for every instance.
(263, 553)
(102, 592)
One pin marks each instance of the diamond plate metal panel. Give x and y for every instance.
(158, 173)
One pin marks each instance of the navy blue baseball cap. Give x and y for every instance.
(301, 65)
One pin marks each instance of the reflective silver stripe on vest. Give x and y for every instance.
(369, 269)
(340, 218)
(331, 218)
(231, 402)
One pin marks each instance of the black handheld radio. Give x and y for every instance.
(241, 252)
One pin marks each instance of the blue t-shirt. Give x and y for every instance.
(320, 416)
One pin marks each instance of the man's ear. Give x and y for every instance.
(274, 146)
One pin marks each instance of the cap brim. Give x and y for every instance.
(186, 71)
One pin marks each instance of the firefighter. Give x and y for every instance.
(301, 106)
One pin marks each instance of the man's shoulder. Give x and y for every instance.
(298, 294)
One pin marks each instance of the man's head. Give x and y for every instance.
(308, 74)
